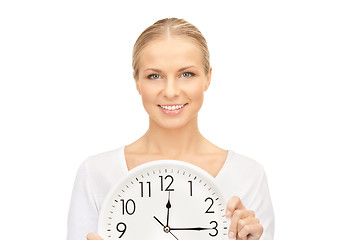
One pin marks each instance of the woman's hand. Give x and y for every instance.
(243, 225)
(93, 236)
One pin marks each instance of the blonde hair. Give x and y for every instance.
(165, 28)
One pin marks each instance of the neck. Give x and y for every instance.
(173, 142)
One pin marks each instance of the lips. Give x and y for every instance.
(171, 104)
(172, 109)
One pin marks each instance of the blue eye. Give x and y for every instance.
(153, 76)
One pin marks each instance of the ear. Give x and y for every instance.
(208, 80)
(137, 84)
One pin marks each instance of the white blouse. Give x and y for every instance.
(240, 176)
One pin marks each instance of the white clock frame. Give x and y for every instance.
(117, 206)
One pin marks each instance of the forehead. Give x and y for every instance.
(170, 53)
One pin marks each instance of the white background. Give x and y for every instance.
(67, 92)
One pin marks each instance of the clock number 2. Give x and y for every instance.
(125, 206)
(207, 211)
(121, 230)
(162, 183)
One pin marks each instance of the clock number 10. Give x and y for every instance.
(129, 202)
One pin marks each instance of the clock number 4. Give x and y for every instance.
(129, 202)
(162, 183)
(142, 188)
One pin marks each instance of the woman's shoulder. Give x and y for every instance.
(242, 176)
(105, 160)
(242, 168)
(244, 162)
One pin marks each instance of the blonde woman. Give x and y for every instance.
(171, 73)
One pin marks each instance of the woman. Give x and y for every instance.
(172, 72)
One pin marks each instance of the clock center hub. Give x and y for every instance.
(166, 229)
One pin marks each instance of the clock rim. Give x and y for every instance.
(156, 163)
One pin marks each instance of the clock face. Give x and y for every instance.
(164, 200)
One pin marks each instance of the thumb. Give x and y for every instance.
(93, 236)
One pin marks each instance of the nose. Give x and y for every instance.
(171, 88)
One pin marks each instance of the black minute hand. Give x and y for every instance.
(194, 228)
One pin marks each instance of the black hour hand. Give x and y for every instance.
(168, 206)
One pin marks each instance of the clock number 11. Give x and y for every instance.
(142, 189)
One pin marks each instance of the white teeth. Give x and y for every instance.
(172, 107)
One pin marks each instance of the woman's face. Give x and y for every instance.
(171, 75)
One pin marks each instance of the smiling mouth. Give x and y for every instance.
(173, 106)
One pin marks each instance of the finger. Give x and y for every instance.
(237, 215)
(251, 232)
(93, 236)
(233, 204)
(247, 221)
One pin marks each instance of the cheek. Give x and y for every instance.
(196, 93)
(148, 95)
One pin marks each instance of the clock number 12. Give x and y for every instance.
(162, 183)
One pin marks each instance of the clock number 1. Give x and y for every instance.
(142, 188)
(190, 187)
(162, 183)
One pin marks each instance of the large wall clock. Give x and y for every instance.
(164, 200)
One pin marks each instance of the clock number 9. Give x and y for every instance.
(162, 183)
(124, 206)
(123, 230)
(215, 228)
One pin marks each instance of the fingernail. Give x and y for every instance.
(231, 235)
(228, 214)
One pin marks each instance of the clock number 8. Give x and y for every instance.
(162, 183)
(124, 206)
(123, 230)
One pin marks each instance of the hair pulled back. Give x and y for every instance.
(166, 28)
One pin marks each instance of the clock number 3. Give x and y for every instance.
(162, 183)
(215, 228)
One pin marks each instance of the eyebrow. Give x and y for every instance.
(158, 70)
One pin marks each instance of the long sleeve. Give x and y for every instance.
(260, 201)
(83, 212)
